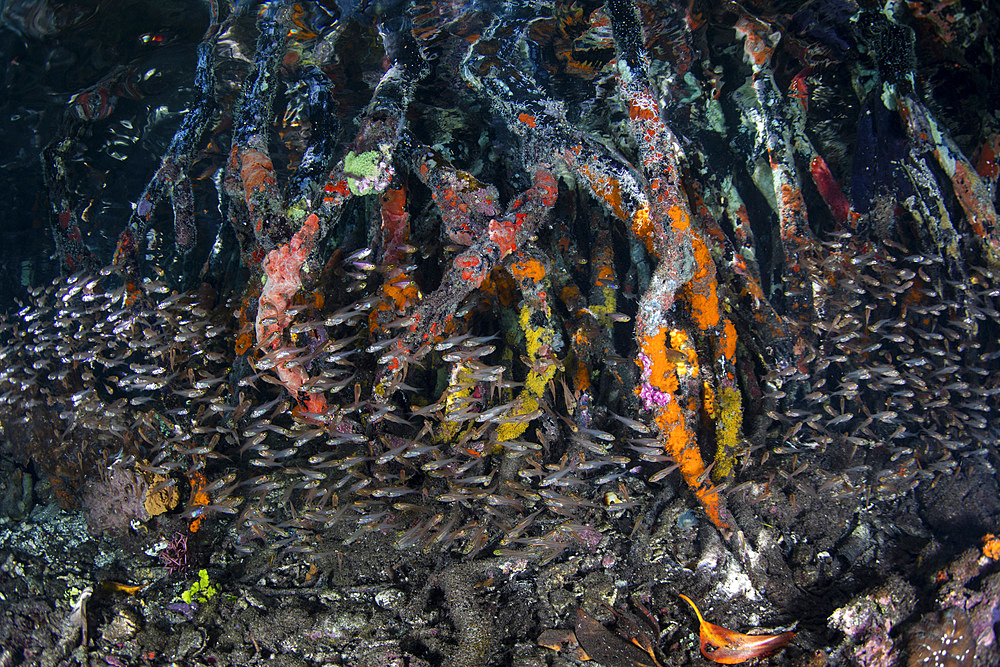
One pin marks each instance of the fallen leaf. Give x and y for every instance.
(605, 646)
(629, 628)
(557, 640)
(565, 642)
(728, 647)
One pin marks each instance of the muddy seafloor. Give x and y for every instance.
(877, 582)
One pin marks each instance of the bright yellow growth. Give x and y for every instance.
(727, 432)
(200, 591)
(460, 387)
(535, 337)
(602, 310)
(526, 404)
(535, 383)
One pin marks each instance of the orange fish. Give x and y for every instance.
(115, 587)
(731, 648)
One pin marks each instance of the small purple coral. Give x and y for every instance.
(175, 556)
(650, 395)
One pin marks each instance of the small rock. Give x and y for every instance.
(121, 628)
(391, 598)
